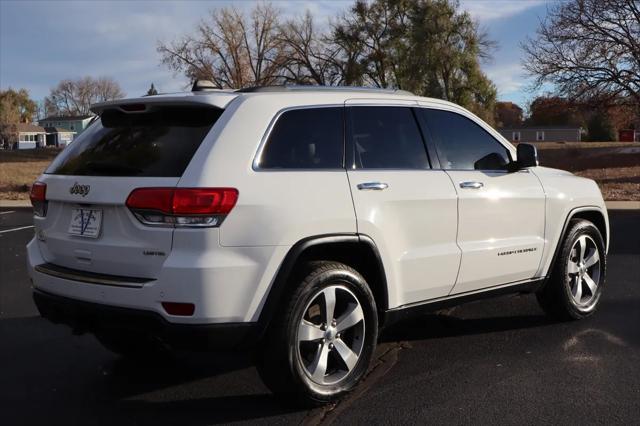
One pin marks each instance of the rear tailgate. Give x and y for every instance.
(87, 225)
(123, 246)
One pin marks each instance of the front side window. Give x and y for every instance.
(462, 144)
(157, 143)
(307, 138)
(539, 135)
(386, 138)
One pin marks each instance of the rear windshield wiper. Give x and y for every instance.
(106, 167)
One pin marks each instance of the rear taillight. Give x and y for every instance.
(191, 207)
(38, 198)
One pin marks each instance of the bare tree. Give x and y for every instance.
(229, 49)
(75, 97)
(426, 46)
(589, 49)
(311, 56)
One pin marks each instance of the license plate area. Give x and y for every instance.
(85, 222)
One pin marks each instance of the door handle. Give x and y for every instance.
(372, 186)
(471, 185)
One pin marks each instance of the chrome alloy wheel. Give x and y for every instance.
(330, 335)
(584, 270)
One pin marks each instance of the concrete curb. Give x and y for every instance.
(611, 205)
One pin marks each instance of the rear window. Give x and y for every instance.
(158, 143)
(308, 138)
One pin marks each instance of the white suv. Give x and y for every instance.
(303, 218)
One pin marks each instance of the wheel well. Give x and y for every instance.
(361, 256)
(595, 217)
(359, 252)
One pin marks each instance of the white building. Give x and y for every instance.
(29, 136)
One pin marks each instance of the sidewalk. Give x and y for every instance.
(611, 205)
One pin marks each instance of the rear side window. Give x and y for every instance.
(462, 144)
(386, 138)
(309, 138)
(158, 143)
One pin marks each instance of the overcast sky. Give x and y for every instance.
(43, 42)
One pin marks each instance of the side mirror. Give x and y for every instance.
(527, 155)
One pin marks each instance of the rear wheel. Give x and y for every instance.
(321, 344)
(576, 283)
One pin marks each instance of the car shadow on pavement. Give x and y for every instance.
(202, 411)
(221, 387)
(74, 377)
(130, 377)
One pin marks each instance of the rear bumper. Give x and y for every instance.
(226, 284)
(84, 317)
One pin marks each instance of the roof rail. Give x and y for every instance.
(312, 88)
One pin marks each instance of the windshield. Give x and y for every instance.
(159, 143)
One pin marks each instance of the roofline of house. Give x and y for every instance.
(70, 118)
(541, 128)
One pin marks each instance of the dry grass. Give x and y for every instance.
(616, 184)
(19, 169)
(581, 145)
(615, 166)
(16, 178)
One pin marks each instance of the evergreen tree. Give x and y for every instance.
(152, 91)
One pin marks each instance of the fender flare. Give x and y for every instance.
(563, 233)
(281, 280)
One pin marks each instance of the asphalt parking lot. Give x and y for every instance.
(492, 362)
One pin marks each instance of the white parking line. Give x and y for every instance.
(10, 211)
(16, 229)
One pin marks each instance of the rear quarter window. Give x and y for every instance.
(308, 138)
(158, 143)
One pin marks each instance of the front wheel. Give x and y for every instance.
(321, 344)
(578, 277)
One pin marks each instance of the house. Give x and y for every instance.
(28, 136)
(59, 137)
(542, 133)
(75, 123)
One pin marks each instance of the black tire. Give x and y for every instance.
(281, 358)
(133, 345)
(557, 298)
